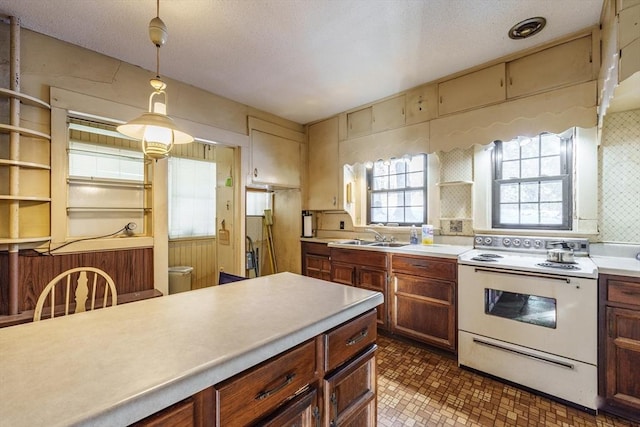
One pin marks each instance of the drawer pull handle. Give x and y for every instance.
(287, 380)
(358, 337)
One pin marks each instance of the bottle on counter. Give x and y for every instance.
(413, 236)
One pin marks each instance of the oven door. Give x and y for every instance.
(548, 313)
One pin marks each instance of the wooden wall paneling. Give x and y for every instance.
(131, 270)
(199, 254)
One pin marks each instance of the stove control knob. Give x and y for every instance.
(487, 241)
(537, 244)
(516, 242)
(526, 243)
(478, 240)
(506, 241)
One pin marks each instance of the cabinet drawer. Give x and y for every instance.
(623, 291)
(315, 248)
(350, 392)
(425, 267)
(359, 257)
(437, 290)
(252, 395)
(345, 341)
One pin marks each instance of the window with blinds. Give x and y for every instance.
(107, 180)
(192, 198)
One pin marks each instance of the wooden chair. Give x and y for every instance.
(75, 283)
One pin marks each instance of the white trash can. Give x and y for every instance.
(179, 279)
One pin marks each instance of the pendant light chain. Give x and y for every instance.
(158, 44)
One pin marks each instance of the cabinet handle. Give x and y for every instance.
(510, 81)
(316, 415)
(501, 83)
(440, 99)
(335, 200)
(334, 404)
(287, 380)
(358, 337)
(255, 173)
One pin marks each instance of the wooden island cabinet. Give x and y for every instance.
(278, 350)
(620, 345)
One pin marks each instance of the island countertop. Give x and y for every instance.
(117, 365)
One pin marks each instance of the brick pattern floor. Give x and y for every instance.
(422, 387)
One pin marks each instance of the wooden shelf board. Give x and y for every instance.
(25, 198)
(23, 131)
(7, 241)
(31, 165)
(25, 99)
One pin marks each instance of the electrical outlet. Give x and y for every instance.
(455, 226)
(341, 225)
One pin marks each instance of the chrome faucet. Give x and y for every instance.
(379, 237)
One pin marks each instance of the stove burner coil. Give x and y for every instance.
(561, 265)
(491, 256)
(484, 258)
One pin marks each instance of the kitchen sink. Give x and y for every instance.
(358, 242)
(389, 244)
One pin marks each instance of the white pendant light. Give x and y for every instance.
(155, 129)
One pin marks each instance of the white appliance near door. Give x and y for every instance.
(528, 321)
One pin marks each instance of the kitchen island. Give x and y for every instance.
(118, 365)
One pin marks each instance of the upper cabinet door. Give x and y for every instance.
(472, 90)
(359, 123)
(324, 172)
(422, 104)
(388, 114)
(275, 160)
(562, 65)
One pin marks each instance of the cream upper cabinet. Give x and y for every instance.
(472, 90)
(389, 114)
(629, 41)
(562, 65)
(324, 171)
(359, 123)
(275, 160)
(421, 104)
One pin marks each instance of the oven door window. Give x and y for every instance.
(533, 309)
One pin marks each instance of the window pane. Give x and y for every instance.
(510, 150)
(530, 168)
(378, 200)
(511, 169)
(397, 166)
(550, 144)
(415, 179)
(414, 198)
(529, 213)
(416, 164)
(529, 192)
(414, 214)
(509, 214)
(396, 199)
(530, 150)
(379, 215)
(396, 214)
(380, 183)
(509, 193)
(379, 168)
(550, 166)
(551, 191)
(551, 213)
(397, 181)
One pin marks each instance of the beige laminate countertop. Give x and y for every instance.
(434, 250)
(113, 366)
(617, 265)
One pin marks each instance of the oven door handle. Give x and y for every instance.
(539, 276)
(524, 353)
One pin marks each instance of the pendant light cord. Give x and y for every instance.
(158, 45)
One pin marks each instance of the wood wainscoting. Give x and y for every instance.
(199, 254)
(130, 269)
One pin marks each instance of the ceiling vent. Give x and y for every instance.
(527, 28)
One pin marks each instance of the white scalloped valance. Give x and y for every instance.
(554, 112)
(412, 139)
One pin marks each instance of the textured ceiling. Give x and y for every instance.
(304, 59)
